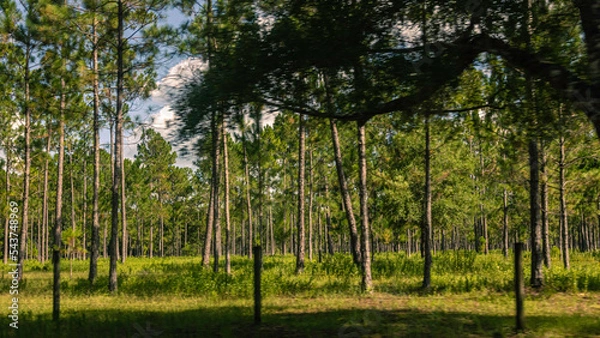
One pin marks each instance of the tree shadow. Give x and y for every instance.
(279, 321)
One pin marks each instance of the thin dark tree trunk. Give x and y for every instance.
(248, 200)
(84, 211)
(57, 245)
(426, 228)
(96, 193)
(271, 230)
(226, 202)
(209, 228)
(104, 245)
(7, 190)
(367, 283)
(537, 258)
(151, 240)
(161, 235)
(116, 192)
(329, 242)
(346, 199)
(310, 208)
(319, 235)
(45, 196)
(535, 224)
(563, 205)
(216, 132)
(140, 235)
(73, 221)
(26, 170)
(408, 242)
(584, 233)
(544, 208)
(301, 196)
(483, 217)
(123, 205)
(505, 224)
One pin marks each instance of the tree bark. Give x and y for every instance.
(367, 283)
(26, 168)
(483, 217)
(123, 204)
(7, 190)
(226, 201)
(248, 200)
(505, 224)
(426, 228)
(216, 132)
(113, 282)
(310, 208)
(57, 244)
(73, 243)
(327, 229)
(209, 228)
(346, 199)
(537, 279)
(301, 197)
(544, 211)
(45, 212)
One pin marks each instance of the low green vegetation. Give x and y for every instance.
(173, 297)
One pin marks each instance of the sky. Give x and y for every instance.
(155, 112)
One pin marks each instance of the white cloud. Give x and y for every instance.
(159, 116)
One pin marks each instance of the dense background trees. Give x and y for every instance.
(428, 137)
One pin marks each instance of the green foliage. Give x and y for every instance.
(454, 272)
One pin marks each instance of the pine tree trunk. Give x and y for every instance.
(57, 244)
(248, 200)
(226, 201)
(105, 235)
(319, 236)
(505, 224)
(301, 197)
(123, 205)
(73, 222)
(26, 170)
(84, 211)
(216, 132)
(140, 235)
(535, 224)
(271, 230)
(151, 241)
(161, 235)
(584, 233)
(346, 199)
(408, 242)
(113, 282)
(209, 228)
(260, 231)
(483, 219)
(367, 283)
(310, 208)
(537, 278)
(426, 228)
(544, 212)
(329, 241)
(7, 190)
(45, 197)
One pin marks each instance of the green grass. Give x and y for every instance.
(471, 296)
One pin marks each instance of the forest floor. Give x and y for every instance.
(155, 299)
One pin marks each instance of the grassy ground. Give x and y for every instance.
(472, 297)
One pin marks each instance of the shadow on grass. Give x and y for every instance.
(237, 322)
